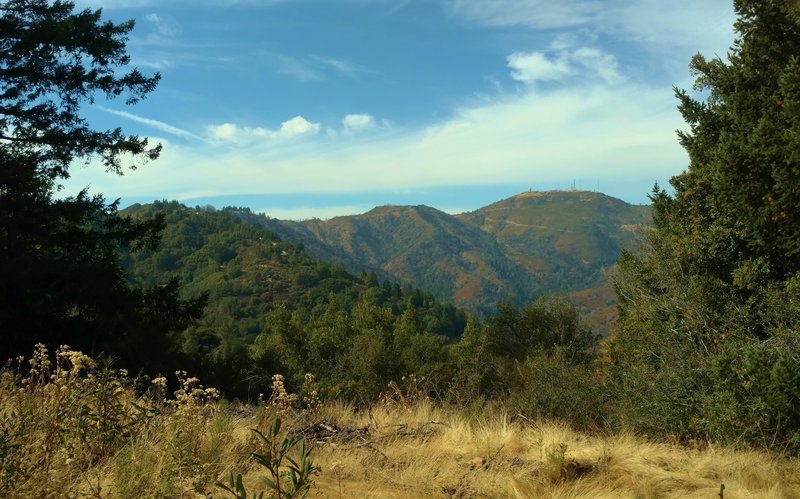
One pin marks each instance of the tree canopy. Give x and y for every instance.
(53, 60)
(59, 256)
(710, 309)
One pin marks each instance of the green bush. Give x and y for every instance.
(550, 387)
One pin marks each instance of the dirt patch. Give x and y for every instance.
(325, 432)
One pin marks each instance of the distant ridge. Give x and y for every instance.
(420, 245)
(517, 249)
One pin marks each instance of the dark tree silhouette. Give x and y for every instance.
(60, 275)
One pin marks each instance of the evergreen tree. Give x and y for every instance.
(59, 258)
(708, 337)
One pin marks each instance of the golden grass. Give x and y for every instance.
(395, 449)
(431, 452)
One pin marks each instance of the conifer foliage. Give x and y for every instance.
(709, 340)
(61, 276)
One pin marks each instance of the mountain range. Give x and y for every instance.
(515, 250)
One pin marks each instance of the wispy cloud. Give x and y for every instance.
(533, 13)
(658, 24)
(164, 26)
(705, 26)
(153, 63)
(340, 65)
(156, 124)
(598, 62)
(315, 67)
(296, 68)
(158, 43)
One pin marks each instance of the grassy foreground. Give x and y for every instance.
(71, 428)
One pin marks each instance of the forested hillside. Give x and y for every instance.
(248, 271)
(564, 239)
(257, 284)
(272, 308)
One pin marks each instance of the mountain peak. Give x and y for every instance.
(580, 194)
(388, 209)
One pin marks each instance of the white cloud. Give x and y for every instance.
(298, 126)
(230, 132)
(357, 122)
(530, 67)
(535, 66)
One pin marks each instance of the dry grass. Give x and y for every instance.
(430, 452)
(53, 445)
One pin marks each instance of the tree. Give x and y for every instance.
(52, 60)
(474, 366)
(736, 202)
(708, 341)
(542, 326)
(59, 258)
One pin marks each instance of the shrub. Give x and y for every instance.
(550, 387)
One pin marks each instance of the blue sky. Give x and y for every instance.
(304, 108)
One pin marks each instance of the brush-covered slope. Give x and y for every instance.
(564, 239)
(567, 241)
(514, 250)
(428, 248)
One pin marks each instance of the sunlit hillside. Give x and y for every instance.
(419, 245)
(514, 250)
(565, 236)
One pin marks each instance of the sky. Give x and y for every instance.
(319, 108)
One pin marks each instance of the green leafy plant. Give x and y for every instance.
(289, 478)
(237, 488)
(556, 461)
